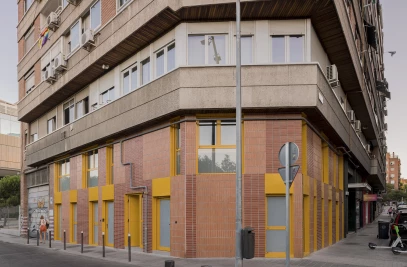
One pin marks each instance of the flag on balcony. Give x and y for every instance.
(44, 36)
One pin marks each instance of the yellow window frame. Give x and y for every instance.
(109, 165)
(217, 145)
(85, 169)
(59, 174)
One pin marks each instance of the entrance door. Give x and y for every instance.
(110, 223)
(134, 220)
(95, 223)
(275, 226)
(163, 224)
(74, 223)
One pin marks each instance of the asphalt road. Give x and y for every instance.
(16, 255)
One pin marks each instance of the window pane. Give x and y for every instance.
(134, 78)
(93, 178)
(71, 113)
(68, 167)
(178, 136)
(62, 169)
(90, 160)
(296, 48)
(105, 97)
(5, 126)
(228, 133)
(216, 160)
(159, 68)
(15, 129)
(49, 130)
(126, 82)
(74, 36)
(216, 49)
(278, 49)
(207, 133)
(171, 57)
(95, 16)
(111, 94)
(96, 156)
(196, 50)
(64, 183)
(178, 163)
(145, 71)
(247, 50)
(275, 211)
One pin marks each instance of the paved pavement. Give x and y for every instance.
(352, 251)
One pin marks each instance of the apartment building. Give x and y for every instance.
(129, 123)
(393, 170)
(10, 145)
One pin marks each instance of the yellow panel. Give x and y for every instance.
(275, 255)
(305, 185)
(58, 198)
(330, 232)
(340, 173)
(315, 220)
(337, 220)
(161, 187)
(73, 196)
(108, 192)
(274, 184)
(93, 194)
(304, 166)
(330, 192)
(307, 230)
(133, 221)
(325, 161)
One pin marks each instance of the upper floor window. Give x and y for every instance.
(82, 107)
(207, 49)
(391, 169)
(145, 71)
(64, 3)
(27, 4)
(286, 49)
(64, 178)
(165, 60)
(217, 147)
(29, 40)
(69, 112)
(51, 125)
(34, 137)
(121, 3)
(92, 168)
(107, 96)
(9, 125)
(95, 16)
(130, 79)
(29, 81)
(74, 37)
(247, 49)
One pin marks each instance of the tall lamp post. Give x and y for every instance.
(238, 259)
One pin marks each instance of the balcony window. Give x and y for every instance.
(64, 3)
(171, 57)
(287, 49)
(69, 112)
(130, 79)
(122, 3)
(217, 147)
(92, 168)
(278, 49)
(296, 48)
(27, 4)
(34, 137)
(51, 125)
(74, 37)
(64, 178)
(159, 64)
(29, 82)
(82, 108)
(95, 16)
(165, 60)
(247, 49)
(206, 49)
(107, 96)
(29, 40)
(145, 71)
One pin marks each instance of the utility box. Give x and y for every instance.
(248, 243)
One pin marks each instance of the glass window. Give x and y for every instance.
(171, 57)
(29, 83)
(296, 48)
(92, 168)
(196, 49)
(134, 78)
(145, 71)
(216, 49)
(51, 125)
(29, 40)
(217, 147)
(64, 175)
(82, 107)
(74, 37)
(247, 49)
(64, 3)
(27, 4)
(126, 82)
(177, 148)
(5, 126)
(107, 96)
(34, 137)
(278, 49)
(95, 16)
(122, 3)
(159, 64)
(15, 128)
(69, 112)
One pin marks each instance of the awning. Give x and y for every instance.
(371, 34)
(359, 186)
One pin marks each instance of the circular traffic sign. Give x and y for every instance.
(293, 153)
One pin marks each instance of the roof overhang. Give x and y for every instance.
(360, 186)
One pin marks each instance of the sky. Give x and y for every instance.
(395, 39)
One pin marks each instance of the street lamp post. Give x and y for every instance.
(238, 259)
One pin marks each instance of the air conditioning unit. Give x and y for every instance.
(385, 127)
(73, 2)
(53, 21)
(332, 75)
(59, 63)
(351, 115)
(49, 75)
(358, 126)
(87, 39)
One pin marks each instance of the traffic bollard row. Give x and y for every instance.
(103, 244)
(82, 242)
(49, 237)
(64, 240)
(129, 243)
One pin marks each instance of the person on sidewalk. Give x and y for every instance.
(390, 211)
(43, 229)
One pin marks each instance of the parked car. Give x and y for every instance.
(401, 221)
(401, 208)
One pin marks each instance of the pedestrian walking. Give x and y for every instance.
(43, 229)
(390, 211)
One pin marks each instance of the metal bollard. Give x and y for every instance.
(38, 238)
(64, 240)
(28, 237)
(49, 237)
(129, 243)
(169, 263)
(81, 241)
(103, 244)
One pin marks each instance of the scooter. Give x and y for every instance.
(398, 243)
(398, 249)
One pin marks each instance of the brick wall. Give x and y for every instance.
(178, 212)
(20, 9)
(156, 154)
(37, 73)
(21, 49)
(108, 10)
(83, 215)
(21, 89)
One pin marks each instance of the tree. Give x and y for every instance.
(9, 192)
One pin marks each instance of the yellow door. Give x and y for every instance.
(94, 223)
(134, 220)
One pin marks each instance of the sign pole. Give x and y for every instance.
(287, 203)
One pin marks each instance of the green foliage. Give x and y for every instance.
(10, 191)
(394, 195)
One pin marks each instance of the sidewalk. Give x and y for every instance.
(352, 251)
